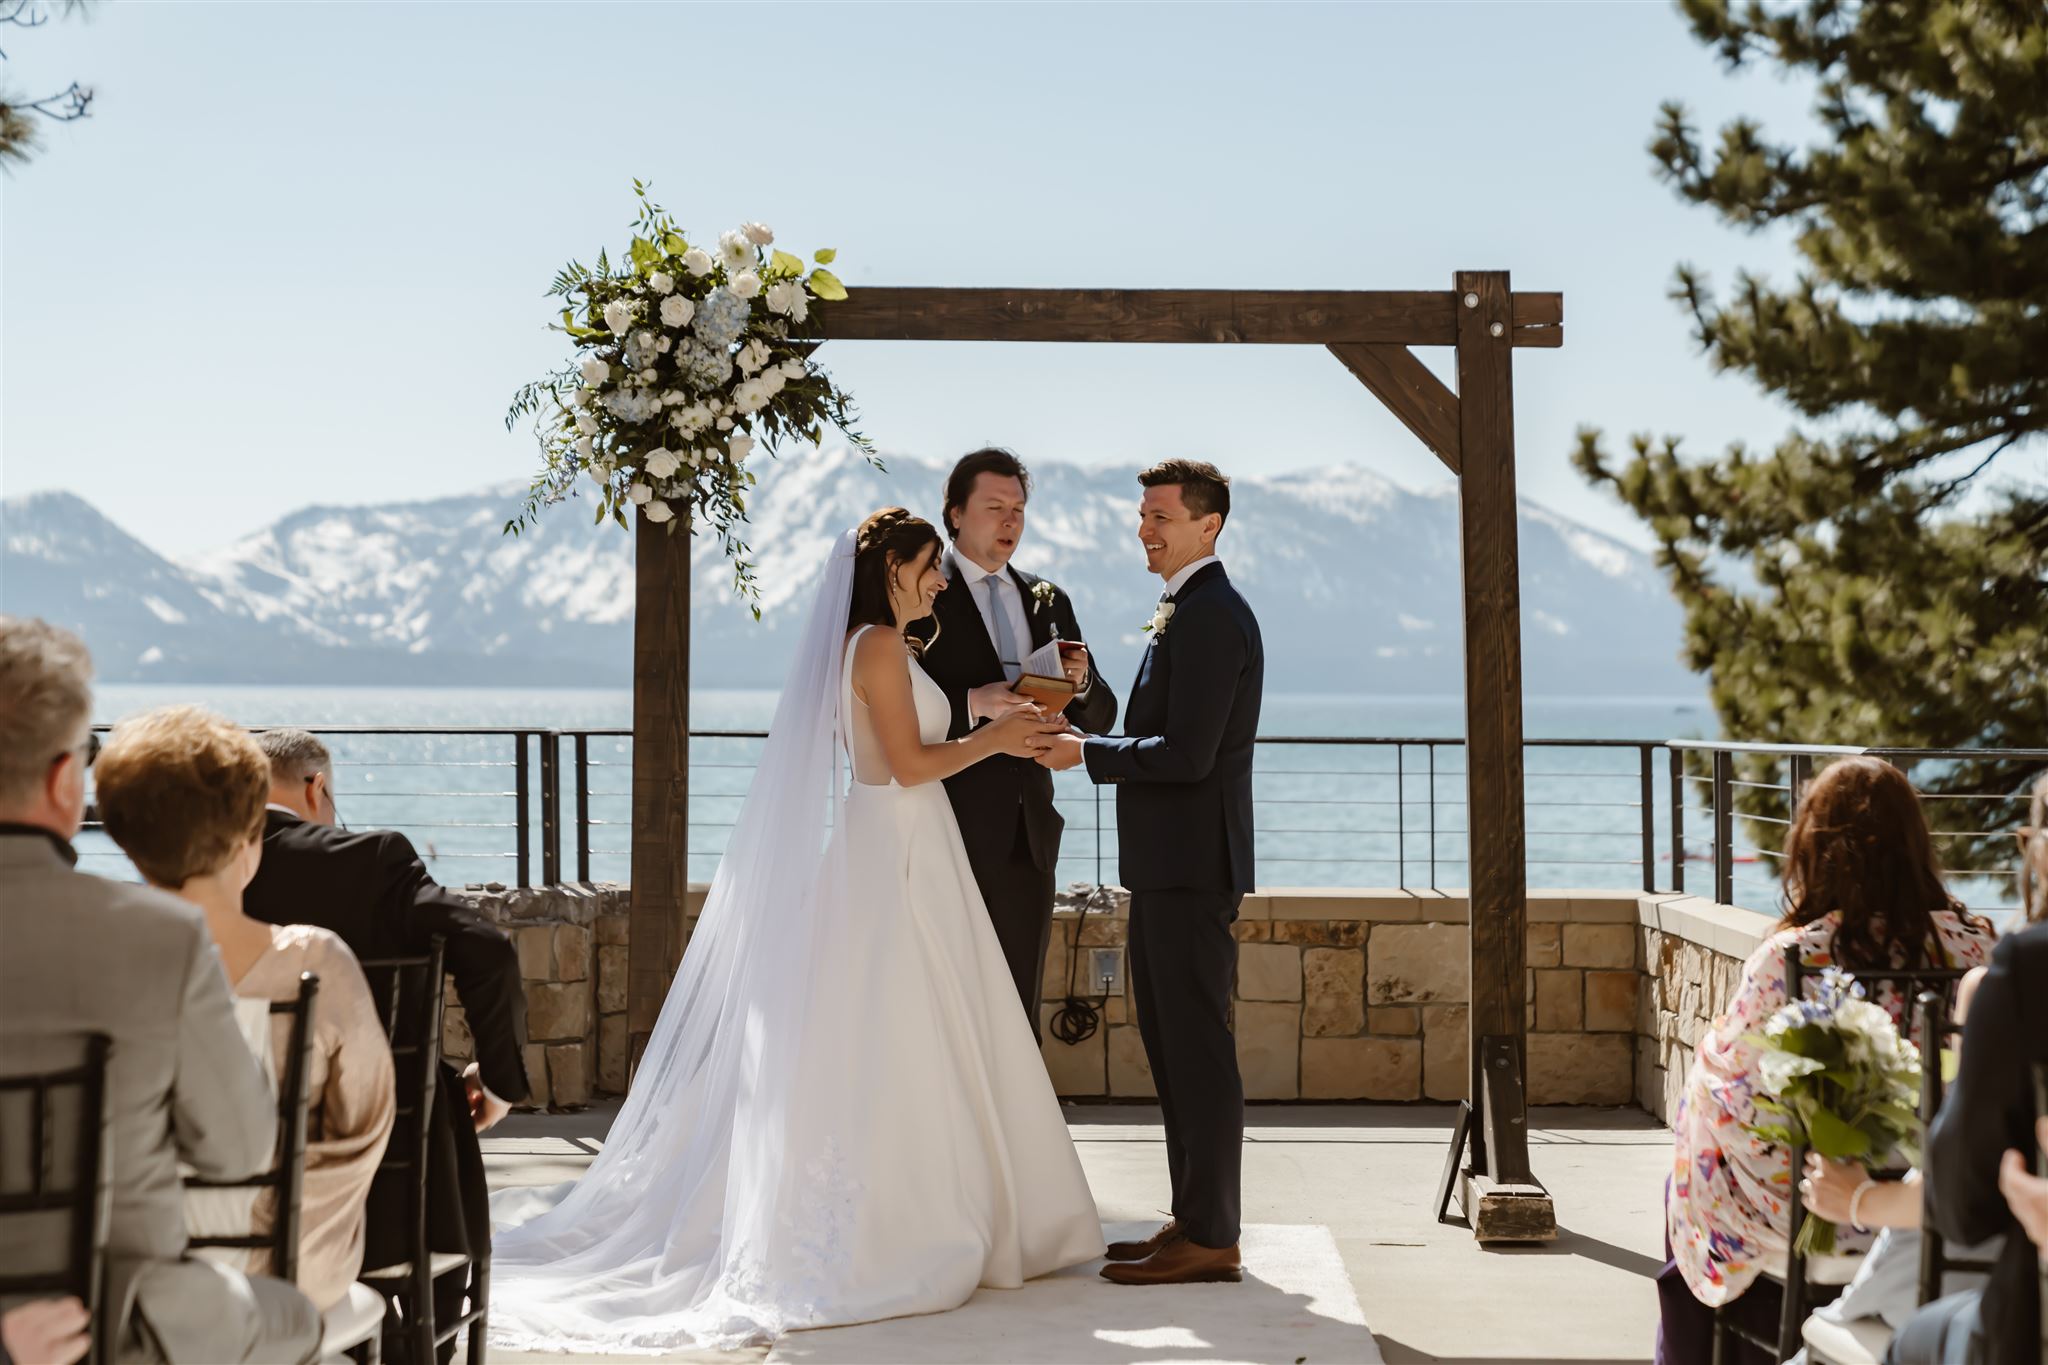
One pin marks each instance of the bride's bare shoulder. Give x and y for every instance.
(876, 646)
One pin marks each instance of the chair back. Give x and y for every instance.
(286, 1177)
(408, 992)
(40, 1118)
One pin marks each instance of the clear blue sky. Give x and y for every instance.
(297, 254)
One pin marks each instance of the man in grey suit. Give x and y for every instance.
(85, 955)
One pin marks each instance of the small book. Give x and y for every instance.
(1044, 680)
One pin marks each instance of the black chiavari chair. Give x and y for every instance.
(40, 1197)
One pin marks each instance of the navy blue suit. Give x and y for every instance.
(1183, 777)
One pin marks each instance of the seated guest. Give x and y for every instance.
(2033, 872)
(182, 792)
(371, 889)
(1862, 889)
(45, 1332)
(86, 955)
(1988, 1113)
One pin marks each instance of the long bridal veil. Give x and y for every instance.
(664, 1241)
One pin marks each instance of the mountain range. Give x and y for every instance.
(1355, 579)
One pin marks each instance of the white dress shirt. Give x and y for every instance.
(981, 585)
(1180, 580)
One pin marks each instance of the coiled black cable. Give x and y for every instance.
(1077, 1019)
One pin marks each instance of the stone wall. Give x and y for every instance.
(1341, 994)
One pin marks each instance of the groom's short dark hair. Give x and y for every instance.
(960, 483)
(1203, 487)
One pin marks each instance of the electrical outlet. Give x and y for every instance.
(1105, 971)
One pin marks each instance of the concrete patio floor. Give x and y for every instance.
(1368, 1173)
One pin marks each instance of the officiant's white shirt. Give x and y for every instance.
(1180, 580)
(1003, 587)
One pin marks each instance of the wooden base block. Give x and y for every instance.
(1499, 1212)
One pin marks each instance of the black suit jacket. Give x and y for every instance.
(962, 658)
(371, 889)
(1989, 1109)
(1183, 770)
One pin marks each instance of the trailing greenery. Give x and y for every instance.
(1896, 554)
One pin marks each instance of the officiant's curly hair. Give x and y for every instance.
(885, 542)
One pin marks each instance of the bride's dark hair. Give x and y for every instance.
(885, 542)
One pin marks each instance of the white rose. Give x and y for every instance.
(757, 233)
(782, 296)
(735, 252)
(661, 283)
(741, 446)
(745, 285)
(618, 315)
(773, 381)
(663, 465)
(697, 261)
(725, 424)
(595, 371)
(639, 492)
(793, 368)
(586, 424)
(659, 511)
(583, 448)
(579, 397)
(676, 311)
(753, 355)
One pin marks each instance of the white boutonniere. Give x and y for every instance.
(1042, 594)
(1156, 627)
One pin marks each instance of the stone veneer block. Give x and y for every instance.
(1600, 945)
(1418, 963)
(1130, 1071)
(1446, 1052)
(536, 945)
(1268, 971)
(457, 1044)
(1100, 932)
(1549, 907)
(572, 952)
(611, 931)
(556, 1012)
(1439, 907)
(1544, 945)
(536, 1057)
(1252, 931)
(1361, 1068)
(1333, 992)
(611, 1054)
(1053, 981)
(1557, 1001)
(1612, 909)
(1581, 1068)
(1611, 1001)
(611, 979)
(1393, 1021)
(1257, 906)
(1269, 1050)
(568, 1076)
(1078, 1069)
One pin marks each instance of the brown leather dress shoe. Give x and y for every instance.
(1180, 1262)
(1138, 1251)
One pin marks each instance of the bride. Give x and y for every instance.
(840, 1115)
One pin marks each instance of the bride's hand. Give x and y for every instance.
(1025, 733)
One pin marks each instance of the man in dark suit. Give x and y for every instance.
(371, 888)
(1183, 776)
(989, 618)
(1988, 1112)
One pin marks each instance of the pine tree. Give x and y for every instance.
(1896, 552)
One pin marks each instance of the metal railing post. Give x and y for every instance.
(1649, 794)
(1097, 797)
(1400, 818)
(550, 807)
(520, 806)
(1795, 785)
(1677, 818)
(1432, 817)
(1724, 828)
(582, 807)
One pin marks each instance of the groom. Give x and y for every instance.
(989, 618)
(1183, 771)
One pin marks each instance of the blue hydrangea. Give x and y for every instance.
(704, 366)
(721, 318)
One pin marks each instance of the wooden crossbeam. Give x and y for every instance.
(1305, 317)
(1410, 392)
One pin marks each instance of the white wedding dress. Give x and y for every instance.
(841, 1115)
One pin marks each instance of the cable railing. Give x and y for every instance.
(528, 806)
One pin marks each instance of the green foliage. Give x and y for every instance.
(1896, 557)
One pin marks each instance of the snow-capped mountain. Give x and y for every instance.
(1355, 580)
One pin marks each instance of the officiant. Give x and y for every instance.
(989, 620)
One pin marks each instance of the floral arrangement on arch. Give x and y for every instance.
(688, 359)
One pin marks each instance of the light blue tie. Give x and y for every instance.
(1005, 641)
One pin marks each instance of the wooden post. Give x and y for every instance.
(661, 771)
(1502, 1199)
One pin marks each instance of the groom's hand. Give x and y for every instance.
(1065, 752)
(993, 701)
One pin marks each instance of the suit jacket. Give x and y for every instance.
(1989, 1109)
(370, 888)
(80, 954)
(1183, 769)
(962, 658)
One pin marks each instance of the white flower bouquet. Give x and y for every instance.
(687, 358)
(1838, 1079)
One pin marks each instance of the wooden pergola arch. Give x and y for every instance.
(1471, 431)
